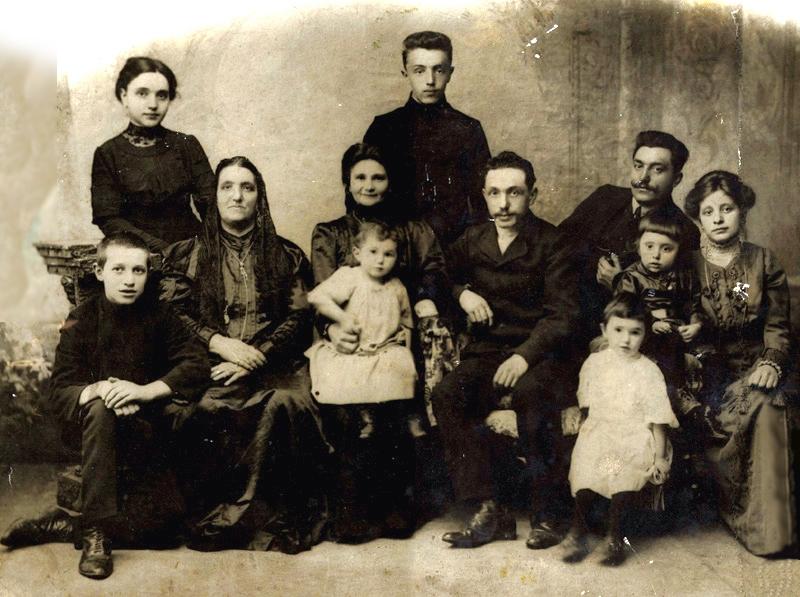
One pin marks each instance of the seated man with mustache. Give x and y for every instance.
(607, 221)
(514, 280)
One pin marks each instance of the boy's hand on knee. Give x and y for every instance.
(125, 392)
(98, 389)
(127, 410)
(510, 370)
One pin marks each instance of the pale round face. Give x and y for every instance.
(146, 99)
(624, 336)
(428, 72)
(237, 195)
(124, 274)
(507, 197)
(657, 252)
(720, 217)
(376, 257)
(652, 175)
(368, 182)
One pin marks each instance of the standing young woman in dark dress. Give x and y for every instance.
(145, 178)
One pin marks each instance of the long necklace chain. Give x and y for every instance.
(243, 273)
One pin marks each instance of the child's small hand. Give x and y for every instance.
(350, 324)
(660, 470)
(689, 331)
(661, 327)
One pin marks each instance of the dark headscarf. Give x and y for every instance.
(272, 266)
(389, 210)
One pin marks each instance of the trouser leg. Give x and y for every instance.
(99, 461)
(538, 398)
(461, 402)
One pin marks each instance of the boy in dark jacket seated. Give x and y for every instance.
(121, 359)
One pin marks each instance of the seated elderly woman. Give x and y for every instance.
(748, 378)
(373, 476)
(242, 289)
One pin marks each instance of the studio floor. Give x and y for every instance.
(700, 558)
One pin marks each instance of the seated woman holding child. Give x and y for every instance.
(371, 493)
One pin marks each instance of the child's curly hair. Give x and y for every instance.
(379, 230)
(625, 305)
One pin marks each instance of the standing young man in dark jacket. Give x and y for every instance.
(435, 152)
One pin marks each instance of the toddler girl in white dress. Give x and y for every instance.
(622, 444)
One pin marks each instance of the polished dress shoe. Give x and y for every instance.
(614, 551)
(54, 526)
(96, 559)
(575, 547)
(544, 534)
(489, 523)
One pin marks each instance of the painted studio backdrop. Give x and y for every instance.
(565, 83)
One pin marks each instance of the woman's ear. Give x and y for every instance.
(98, 272)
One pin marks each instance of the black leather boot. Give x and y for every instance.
(96, 559)
(55, 526)
(490, 523)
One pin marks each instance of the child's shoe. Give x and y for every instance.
(575, 546)
(614, 551)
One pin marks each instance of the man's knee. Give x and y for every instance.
(96, 415)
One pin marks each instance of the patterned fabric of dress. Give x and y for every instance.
(747, 303)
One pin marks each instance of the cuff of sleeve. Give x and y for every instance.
(458, 289)
(206, 334)
(773, 354)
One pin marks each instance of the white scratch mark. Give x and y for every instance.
(553, 28)
(537, 55)
(10, 474)
(636, 553)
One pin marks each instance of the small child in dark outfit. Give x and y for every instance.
(667, 284)
(121, 357)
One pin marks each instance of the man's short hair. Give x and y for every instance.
(509, 159)
(678, 151)
(121, 239)
(625, 305)
(428, 40)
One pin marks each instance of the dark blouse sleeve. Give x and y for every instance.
(777, 326)
(108, 203)
(179, 270)
(187, 358)
(626, 283)
(202, 176)
(429, 263)
(324, 249)
(292, 336)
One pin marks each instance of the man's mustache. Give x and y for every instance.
(640, 184)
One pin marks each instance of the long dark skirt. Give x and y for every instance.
(753, 464)
(253, 466)
(371, 481)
